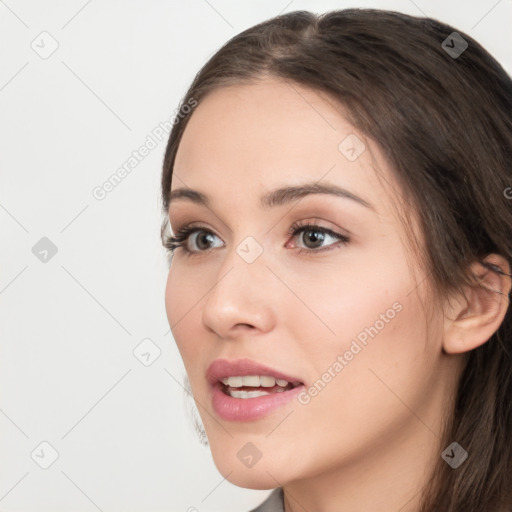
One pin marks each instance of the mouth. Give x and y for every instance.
(244, 390)
(249, 376)
(254, 386)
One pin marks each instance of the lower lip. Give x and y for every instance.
(249, 409)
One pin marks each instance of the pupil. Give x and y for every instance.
(315, 236)
(202, 238)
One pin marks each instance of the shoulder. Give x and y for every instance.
(273, 503)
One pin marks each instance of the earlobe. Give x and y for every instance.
(473, 317)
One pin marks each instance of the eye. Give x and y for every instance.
(186, 236)
(313, 237)
(197, 240)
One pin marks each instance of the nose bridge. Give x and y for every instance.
(244, 263)
(241, 293)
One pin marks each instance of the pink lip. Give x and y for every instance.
(222, 368)
(249, 409)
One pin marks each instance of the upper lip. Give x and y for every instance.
(223, 368)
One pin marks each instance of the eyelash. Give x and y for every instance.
(182, 234)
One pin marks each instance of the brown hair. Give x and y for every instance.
(444, 122)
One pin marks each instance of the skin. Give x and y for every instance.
(370, 438)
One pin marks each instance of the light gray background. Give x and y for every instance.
(70, 325)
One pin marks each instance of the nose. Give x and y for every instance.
(242, 298)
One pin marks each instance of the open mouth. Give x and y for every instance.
(245, 390)
(256, 391)
(248, 391)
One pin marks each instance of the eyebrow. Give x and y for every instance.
(276, 197)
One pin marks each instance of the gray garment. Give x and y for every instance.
(274, 502)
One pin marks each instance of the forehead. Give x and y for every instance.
(243, 140)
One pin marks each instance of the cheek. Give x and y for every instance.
(359, 297)
(184, 289)
(368, 313)
(381, 357)
(182, 308)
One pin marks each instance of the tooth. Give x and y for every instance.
(235, 382)
(248, 394)
(251, 380)
(267, 382)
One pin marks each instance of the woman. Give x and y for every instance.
(345, 326)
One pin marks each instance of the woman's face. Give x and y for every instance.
(343, 316)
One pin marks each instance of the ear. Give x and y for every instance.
(471, 320)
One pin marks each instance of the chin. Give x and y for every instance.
(261, 476)
(249, 480)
